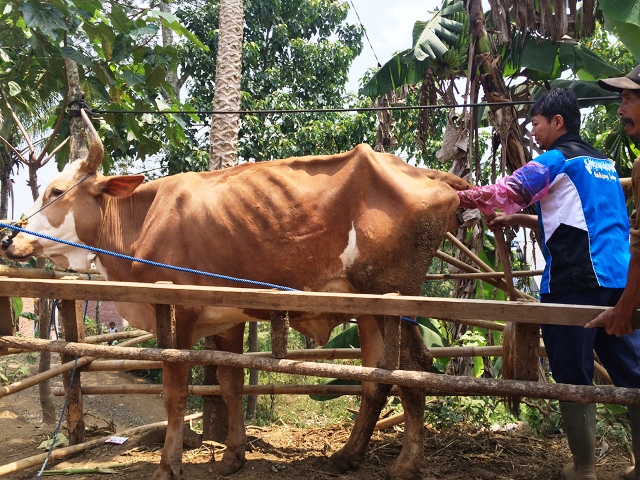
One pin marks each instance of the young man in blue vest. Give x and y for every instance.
(584, 225)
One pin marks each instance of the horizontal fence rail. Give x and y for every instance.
(265, 299)
(436, 384)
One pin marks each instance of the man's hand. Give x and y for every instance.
(614, 322)
(498, 219)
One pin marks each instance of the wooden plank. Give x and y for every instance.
(526, 336)
(435, 384)
(459, 309)
(6, 316)
(527, 351)
(71, 313)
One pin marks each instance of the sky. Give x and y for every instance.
(388, 23)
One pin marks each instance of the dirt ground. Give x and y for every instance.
(281, 452)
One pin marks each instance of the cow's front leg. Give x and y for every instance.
(374, 397)
(231, 381)
(175, 379)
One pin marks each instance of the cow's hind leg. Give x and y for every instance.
(175, 378)
(374, 397)
(231, 381)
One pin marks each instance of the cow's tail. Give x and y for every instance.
(508, 371)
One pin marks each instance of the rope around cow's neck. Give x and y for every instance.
(158, 264)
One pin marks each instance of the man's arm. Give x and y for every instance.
(500, 219)
(619, 319)
(512, 193)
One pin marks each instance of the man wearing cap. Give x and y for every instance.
(619, 319)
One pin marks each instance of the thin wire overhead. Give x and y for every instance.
(340, 110)
(365, 33)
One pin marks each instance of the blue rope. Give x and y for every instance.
(64, 408)
(147, 262)
(161, 265)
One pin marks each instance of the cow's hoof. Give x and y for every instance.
(166, 472)
(402, 472)
(340, 463)
(229, 464)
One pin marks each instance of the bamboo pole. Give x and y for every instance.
(18, 272)
(60, 453)
(59, 370)
(12, 351)
(483, 266)
(109, 337)
(482, 276)
(316, 354)
(498, 283)
(434, 383)
(389, 422)
(207, 390)
(41, 377)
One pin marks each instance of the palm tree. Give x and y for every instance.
(224, 128)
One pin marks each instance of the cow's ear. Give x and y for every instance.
(119, 185)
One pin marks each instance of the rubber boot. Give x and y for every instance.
(580, 424)
(633, 473)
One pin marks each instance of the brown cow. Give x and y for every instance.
(358, 221)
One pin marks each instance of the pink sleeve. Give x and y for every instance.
(510, 194)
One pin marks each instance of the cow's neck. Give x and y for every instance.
(121, 227)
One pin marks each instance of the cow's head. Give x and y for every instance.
(71, 208)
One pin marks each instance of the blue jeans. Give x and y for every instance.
(570, 348)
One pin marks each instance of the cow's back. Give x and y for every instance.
(303, 222)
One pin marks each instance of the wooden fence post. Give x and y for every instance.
(215, 418)
(6, 316)
(71, 313)
(279, 333)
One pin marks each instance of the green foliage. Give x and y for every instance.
(121, 66)
(14, 368)
(623, 20)
(445, 37)
(92, 327)
(478, 411)
(296, 55)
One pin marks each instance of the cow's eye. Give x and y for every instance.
(56, 192)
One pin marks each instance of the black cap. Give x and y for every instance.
(630, 81)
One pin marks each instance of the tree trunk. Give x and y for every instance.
(43, 310)
(167, 41)
(223, 151)
(252, 400)
(224, 128)
(77, 144)
(5, 185)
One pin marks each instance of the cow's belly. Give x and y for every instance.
(214, 320)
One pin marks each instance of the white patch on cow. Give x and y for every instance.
(350, 253)
(101, 268)
(78, 259)
(213, 320)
